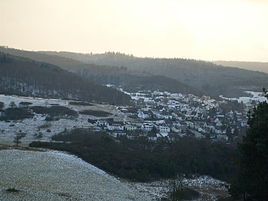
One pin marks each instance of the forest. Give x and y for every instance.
(135, 73)
(142, 160)
(21, 76)
(206, 77)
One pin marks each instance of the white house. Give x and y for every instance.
(164, 129)
(113, 127)
(130, 127)
(147, 127)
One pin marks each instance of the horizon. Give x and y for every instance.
(136, 56)
(202, 30)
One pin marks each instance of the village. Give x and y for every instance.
(167, 115)
(154, 115)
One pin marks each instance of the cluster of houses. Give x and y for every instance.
(154, 115)
(173, 115)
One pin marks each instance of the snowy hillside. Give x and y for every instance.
(44, 176)
(38, 127)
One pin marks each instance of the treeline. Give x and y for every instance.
(27, 77)
(52, 113)
(134, 72)
(210, 79)
(106, 74)
(142, 160)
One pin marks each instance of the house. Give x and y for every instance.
(142, 115)
(101, 123)
(147, 127)
(130, 127)
(118, 133)
(164, 129)
(115, 126)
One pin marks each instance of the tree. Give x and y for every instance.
(12, 104)
(18, 137)
(2, 105)
(251, 182)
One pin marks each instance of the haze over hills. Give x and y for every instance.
(134, 73)
(207, 77)
(105, 74)
(254, 66)
(23, 76)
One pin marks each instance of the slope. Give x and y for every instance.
(254, 66)
(23, 76)
(51, 175)
(207, 77)
(105, 74)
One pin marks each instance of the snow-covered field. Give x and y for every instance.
(210, 189)
(37, 128)
(51, 175)
(252, 96)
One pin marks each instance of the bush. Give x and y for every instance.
(12, 190)
(55, 111)
(96, 113)
(2, 105)
(178, 191)
(179, 194)
(25, 104)
(16, 114)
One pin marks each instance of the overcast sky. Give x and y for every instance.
(199, 29)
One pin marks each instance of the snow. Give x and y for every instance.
(253, 96)
(209, 188)
(56, 175)
(33, 127)
(6, 99)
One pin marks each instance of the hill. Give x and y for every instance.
(206, 77)
(50, 175)
(254, 66)
(105, 74)
(23, 76)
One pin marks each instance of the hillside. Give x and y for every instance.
(23, 76)
(106, 74)
(254, 66)
(207, 77)
(50, 175)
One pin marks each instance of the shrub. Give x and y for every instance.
(12, 190)
(55, 111)
(17, 114)
(96, 113)
(2, 105)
